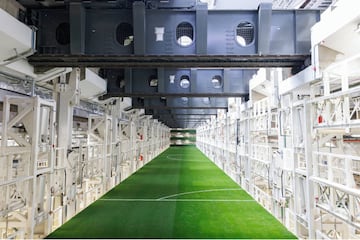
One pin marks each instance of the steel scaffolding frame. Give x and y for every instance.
(47, 181)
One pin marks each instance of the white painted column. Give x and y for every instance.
(67, 98)
(309, 191)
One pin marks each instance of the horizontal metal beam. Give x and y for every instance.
(178, 103)
(165, 107)
(200, 115)
(159, 112)
(184, 119)
(157, 95)
(191, 117)
(40, 61)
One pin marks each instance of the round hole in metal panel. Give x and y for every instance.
(206, 100)
(216, 81)
(63, 33)
(184, 100)
(124, 34)
(153, 81)
(245, 33)
(209, 2)
(184, 34)
(184, 81)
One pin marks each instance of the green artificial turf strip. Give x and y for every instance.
(181, 194)
(183, 138)
(191, 131)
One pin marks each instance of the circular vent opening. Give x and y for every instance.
(216, 81)
(184, 34)
(184, 81)
(63, 33)
(124, 34)
(206, 100)
(184, 100)
(153, 81)
(244, 33)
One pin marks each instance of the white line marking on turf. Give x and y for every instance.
(174, 200)
(201, 191)
(128, 199)
(171, 157)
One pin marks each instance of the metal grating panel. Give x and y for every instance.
(246, 31)
(184, 29)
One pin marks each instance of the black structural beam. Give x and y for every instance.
(156, 95)
(44, 61)
(163, 85)
(73, 36)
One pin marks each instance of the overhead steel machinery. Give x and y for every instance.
(181, 55)
(296, 145)
(86, 103)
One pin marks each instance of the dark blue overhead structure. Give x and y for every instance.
(178, 89)
(182, 118)
(172, 55)
(82, 35)
(179, 82)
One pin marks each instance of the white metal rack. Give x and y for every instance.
(53, 165)
(298, 137)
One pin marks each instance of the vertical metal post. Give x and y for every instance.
(115, 132)
(77, 28)
(67, 98)
(309, 195)
(34, 153)
(106, 153)
(128, 80)
(139, 18)
(5, 120)
(226, 142)
(226, 80)
(161, 80)
(264, 28)
(132, 144)
(249, 174)
(49, 205)
(237, 155)
(295, 185)
(345, 87)
(201, 29)
(193, 80)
